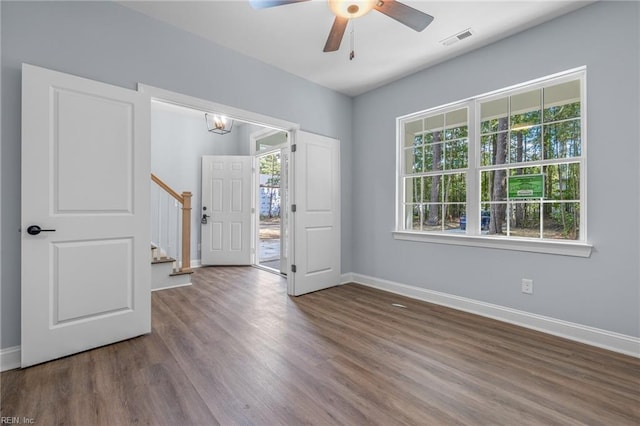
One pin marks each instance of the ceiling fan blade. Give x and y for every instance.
(412, 18)
(336, 34)
(263, 4)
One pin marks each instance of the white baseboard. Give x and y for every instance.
(616, 342)
(166, 287)
(10, 358)
(347, 278)
(628, 345)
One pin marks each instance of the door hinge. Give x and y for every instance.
(294, 268)
(293, 208)
(294, 147)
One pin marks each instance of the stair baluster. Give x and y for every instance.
(166, 236)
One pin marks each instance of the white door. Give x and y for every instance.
(316, 220)
(226, 204)
(86, 278)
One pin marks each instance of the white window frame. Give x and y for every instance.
(473, 236)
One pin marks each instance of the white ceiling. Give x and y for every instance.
(292, 37)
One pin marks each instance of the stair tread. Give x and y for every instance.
(163, 260)
(173, 274)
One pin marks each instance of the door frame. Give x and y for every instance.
(167, 96)
(175, 98)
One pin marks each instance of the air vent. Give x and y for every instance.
(456, 38)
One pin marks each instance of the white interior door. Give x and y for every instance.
(226, 201)
(316, 221)
(86, 278)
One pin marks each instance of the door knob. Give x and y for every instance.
(35, 230)
(204, 216)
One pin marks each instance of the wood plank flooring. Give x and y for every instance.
(234, 349)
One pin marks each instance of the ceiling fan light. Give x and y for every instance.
(351, 9)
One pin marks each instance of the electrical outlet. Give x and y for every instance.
(527, 286)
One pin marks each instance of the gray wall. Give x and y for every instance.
(601, 291)
(107, 42)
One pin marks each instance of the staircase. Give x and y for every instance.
(175, 270)
(165, 273)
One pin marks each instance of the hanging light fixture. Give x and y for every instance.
(218, 124)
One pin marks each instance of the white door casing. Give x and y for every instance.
(315, 189)
(226, 195)
(85, 174)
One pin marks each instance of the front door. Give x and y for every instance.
(86, 274)
(226, 210)
(316, 220)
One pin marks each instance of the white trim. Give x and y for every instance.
(562, 76)
(347, 278)
(262, 134)
(558, 247)
(10, 358)
(609, 340)
(171, 286)
(156, 93)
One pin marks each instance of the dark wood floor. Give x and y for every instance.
(234, 349)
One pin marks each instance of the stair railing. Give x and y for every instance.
(184, 199)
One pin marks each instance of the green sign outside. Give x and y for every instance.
(526, 186)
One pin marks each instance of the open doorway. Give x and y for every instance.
(271, 199)
(310, 166)
(269, 209)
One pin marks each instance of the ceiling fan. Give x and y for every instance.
(344, 10)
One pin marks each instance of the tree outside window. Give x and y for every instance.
(531, 135)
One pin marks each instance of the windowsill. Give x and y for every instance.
(564, 248)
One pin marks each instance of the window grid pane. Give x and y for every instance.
(562, 139)
(525, 132)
